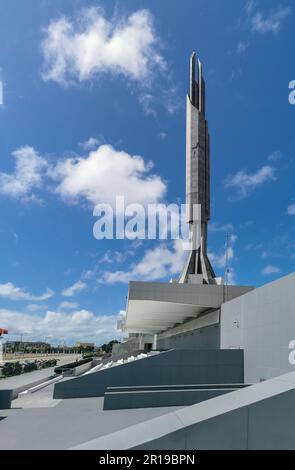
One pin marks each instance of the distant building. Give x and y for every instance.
(85, 345)
(27, 346)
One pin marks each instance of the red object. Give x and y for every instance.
(3, 331)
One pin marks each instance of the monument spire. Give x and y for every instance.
(197, 268)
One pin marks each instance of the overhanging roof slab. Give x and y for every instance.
(154, 307)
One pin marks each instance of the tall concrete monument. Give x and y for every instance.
(198, 268)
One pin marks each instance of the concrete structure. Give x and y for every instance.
(207, 339)
(154, 307)
(12, 386)
(118, 398)
(257, 417)
(197, 268)
(262, 323)
(159, 309)
(175, 367)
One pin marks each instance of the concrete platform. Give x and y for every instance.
(261, 416)
(45, 423)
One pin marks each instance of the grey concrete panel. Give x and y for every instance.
(210, 296)
(5, 399)
(203, 338)
(228, 431)
(266, 425)
(168, 368)
(258, 416)
(262, 322)
(271, 423)
(150, 399)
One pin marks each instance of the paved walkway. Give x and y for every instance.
(66, 423)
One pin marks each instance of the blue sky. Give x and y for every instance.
(93, 92)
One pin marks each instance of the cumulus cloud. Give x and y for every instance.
(245, 182)
(166, 261)
(90, 45)
(254, 246)
(89, 144)
(250, 4)
(269, 23)
(36, 307)
(158, 263)
(262, 22)
(99, 176)
(242, 47)
(275, 156)
(72, 290)
(27, 175)
(291, 209)
(162, 135)
(270, 269)
(106, 173)
(216, 227)
(219, 260)
(68, 305)
(147, 100)
(80, 325)
(11, 292)
(231, 276)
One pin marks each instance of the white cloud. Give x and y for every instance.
(216, 227)
(82, 316)
(254, 246)
(71, 327)
(245, 182)
(36, 307)
(162, 135)
(291, 209)
(106, 173)
(68, 305)
(11, 292)
(242, 47)
(158, 263)
(91, 45)
(274, 156)
(112, 257)
(98, 177)
(72, 290)
(165, 262)
(219, 260)
(267, 254)
(250, 6)
(270, 269)
(231, 277)
(90, 144)
(271, 23)
(27, 175)
(147, 100)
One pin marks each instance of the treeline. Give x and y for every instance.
(10, 369)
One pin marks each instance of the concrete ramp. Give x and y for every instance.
(261, 416)
(174, 367)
